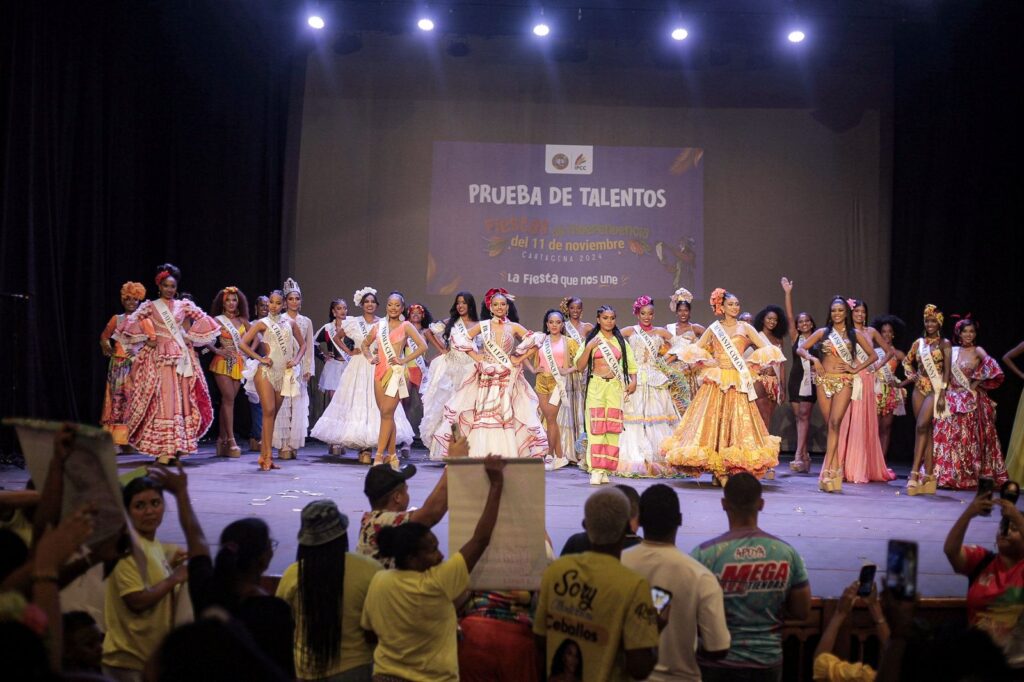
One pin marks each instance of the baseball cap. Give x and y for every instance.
(382, 479)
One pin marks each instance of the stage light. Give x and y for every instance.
(315, 21)
(541, 29)
(796, 36)
(425, 24)
(680, 33)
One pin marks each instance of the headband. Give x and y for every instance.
(162, 275)
(491, 293)
(360, 294)
(932, 310)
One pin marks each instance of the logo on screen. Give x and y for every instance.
(569, 159)
(581, 163)
(560, 161)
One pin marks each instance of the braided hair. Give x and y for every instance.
(618, 337)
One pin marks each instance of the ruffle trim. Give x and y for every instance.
(692, 458)
(691, 354)
(766, 355)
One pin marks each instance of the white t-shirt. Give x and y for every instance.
(697, 608)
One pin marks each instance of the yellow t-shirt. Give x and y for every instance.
(830, 668)
(355, 651)
(414, 619)
(604, 607)
(133, 637)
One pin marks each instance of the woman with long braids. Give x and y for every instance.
(115, 398)
(932, 356)
(231, 310)
(293, 416)
(391, 379)
(326, 588)
(890, 394)
(271, 342)
(576, 383)
(966, 442)
(611, 379)
(722, 431)
(684, 380)
(800, 388)
(496, 409)
(338, 349)
(838, 381)
(170, 406)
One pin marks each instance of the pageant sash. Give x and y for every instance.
(185, 361)
(746, 380)
(883, 373)
(364, 330)
(609, 357)
(806, 382)
(573, 333)
(924, 352)
(419, 359)
(499, 354)
(958, 373)
(329, 329)
(396, 386)
(289, 386)
(839, 343)
(236, 339)
(649, 342)
(549, 355)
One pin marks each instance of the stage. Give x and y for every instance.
(834, 533)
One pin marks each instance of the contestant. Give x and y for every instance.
(449, 370)
(553, 352)
(231, 310)
(292, 423)
(932, 356)
(338, 349)
(352, 420)
(966, 442)
(115, 398)
(496, 409)
(576, 383)
(1015, 449)
(722, 431)
(255, 411)
(684, 380)
(800, 387)
(391, 381)
(860, 449)
(279, 363)
(890, 393)
(770, 322)
(649, 415)
(838, 381)
(418, 372)
(611, 379)
(170, 406)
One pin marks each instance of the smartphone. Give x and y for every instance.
(1010, 491)
(985, 487)
(901, 569)
(867, 579)
(661, 598)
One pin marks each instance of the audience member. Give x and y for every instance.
(829, 667)
(578, 542)
(696, 616)
(212, 649)
(599, 604)
(388, 494)
(326, 588)
(497, 637)
(410, 610)
(763, 579)
(83, 643)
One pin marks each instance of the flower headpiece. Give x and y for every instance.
(230, 290)
(681, 294)
(133, 290)
(932, 310)
(852, 302)
(717, 298)
(291, 286)
(963, 321)
(491, 293)
(564, 305)
(639, 303)
(357, 297)
(417, 308)
(162, 275)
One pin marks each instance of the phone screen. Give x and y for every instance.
(901, 569)
(867, 577)
(661, 597)
(985, 487)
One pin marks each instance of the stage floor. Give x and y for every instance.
(835, 533)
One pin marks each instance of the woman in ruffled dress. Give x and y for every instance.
(292, 422)
(1015, 448)
(352, 420)
(890, 391)
(684, 380)
(800, 387)
(966, 442)
(337, 349)
(650, 415)
(418, 371)
(837, 377)
(496, 408)
(115, 398)
(271, 342)
(169, 408)
(931, 356)
(231, 310)
(722, 432)
(575, 383)
(449, 370)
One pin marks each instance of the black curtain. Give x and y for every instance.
(958, 204)
(133, 132)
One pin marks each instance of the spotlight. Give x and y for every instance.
(315, 21)
(796, 36)
(425, 24)
(680, 33)
(541, 29)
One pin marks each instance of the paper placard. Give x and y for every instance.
(516, 557)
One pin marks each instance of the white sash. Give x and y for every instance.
(573, 332)
(839, 343)
(419, 359)
(883, 374)
(329, 328)
(610, 360)
(362, 326)
(397, 385)
(236, 339)
(806, 383)
(185, 361)
(958, 373)
(549, 355)
(746, 380)
(500, 355)
(648, 341)
(924, 353)
(289, 386)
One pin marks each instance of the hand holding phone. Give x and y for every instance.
(867, 579)
(985, 487)
(901, 569)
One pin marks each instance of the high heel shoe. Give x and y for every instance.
(267, 464)
(596, 477)
(914, 484)
(393, 461)
(365, 457)
(929, 486)
(825, 481)
(837, 481)
(769, 475)
(254, 445)
(231, 449)
(286, 453)
(221, 448)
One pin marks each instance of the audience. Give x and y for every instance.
(763, 580)
(497, 637)
(604, 608)
(410, 609)
(326, 588)
(829, 667)
(83, 643)
(388, 493)
(578, 542)
(696, 615)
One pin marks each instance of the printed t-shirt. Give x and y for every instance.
(697, 608)
(756, 571)
(995, 600)
(599, 604)
(131, 637)
(371, 524)
(412, 614)
(355, 651)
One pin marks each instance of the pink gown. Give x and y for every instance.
(860, 451)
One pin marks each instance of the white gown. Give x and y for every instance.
(292, 423)
(649, 415)
(447, 372)
(352, 420)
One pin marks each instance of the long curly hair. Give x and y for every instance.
(453, 313)
(763, 313)
(217, 307)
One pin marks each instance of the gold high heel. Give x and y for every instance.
(221, 448)
(914, 484)
(837, 480)
(231, 449)
(930, 485)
